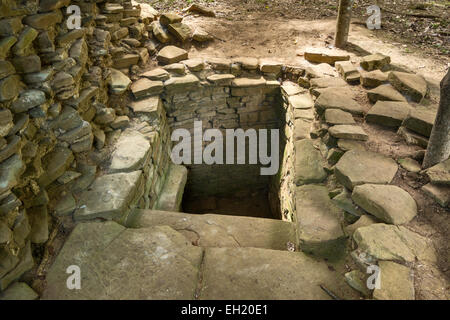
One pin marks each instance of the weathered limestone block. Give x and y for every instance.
(388, 203)
(132, 152)
(350, 132)
(327, 82)
(358, 167)
(160, 32)
(411, 85)
(221, 79)
(348, 71)
(144, 87)
(6, 122)
(169, 18)
(308, 163)
(118, 83)
(181, 31)
(157, 74)
(19, 291)
(171, 54)
(110, 196)
(325, 56)
(337, 100)
(10, 26)
(338, 117)
(26, 262)
(320, 231)
(55, 164)
(6, 69)
(9, 88)
(375, 61)
(126, 61)
(181, 84)
(385, 93)
(440, 173)
(201, 35)
(388, 113)
(43, 21)
(150, 107)
(173, 276)
(24, 41)
(373, 79)
(28, 64)
(5, 46)
(397, 282)
(396, 243)
(421, 121)
(50, 5)
(440, 193)
(10, 171)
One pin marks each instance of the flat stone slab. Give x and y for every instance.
(397, 282)
(327, 82)
(358, 167)
(301, 101)
(319, 228)
(172, 193)
(347, 145)
(19, 291)
(390, 204)
(144, 87)
(248, 82)
(181, 31)
(180, 84)
(375, 61)
(348, 132)
(337, 117)
(302, 129)
(158, 74)
(119, 82)
(348, 71)
(320, 55)
(440, 173)
(308, 163)
(291, 89)
(388, 113)
(221, 79)
(261, 274)
(396, 243)
(421, 121)
(125, 264)
(110, 196)
(412, 137)
(373, 79)
(337, 100)
(410, 164)
(211, 230)
(131, 152)
(171, 54)
(412, 85)
(440, 193)
(385, 93)
(150, 106)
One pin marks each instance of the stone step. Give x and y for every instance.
(211, 230)
(172, 193)
(159, 263)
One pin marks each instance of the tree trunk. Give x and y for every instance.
(439, 144)
(343, 23)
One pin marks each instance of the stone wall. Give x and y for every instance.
(63, 105)
(223, 94)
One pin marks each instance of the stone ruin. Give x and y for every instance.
(85, 136)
